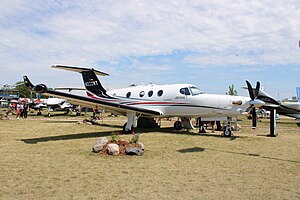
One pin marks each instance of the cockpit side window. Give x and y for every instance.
(196, 91)
(185, 91)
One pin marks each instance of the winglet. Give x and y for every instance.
(79, 69)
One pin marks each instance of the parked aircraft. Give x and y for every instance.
(291, 109)
(51, 104)
(152, 101)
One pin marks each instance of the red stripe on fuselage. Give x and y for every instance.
(96, 97)
(153, 103)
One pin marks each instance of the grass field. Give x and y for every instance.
(45, 158)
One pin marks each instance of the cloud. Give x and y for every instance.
(225, 34)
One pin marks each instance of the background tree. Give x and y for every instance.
(23, 90)
(231, 91)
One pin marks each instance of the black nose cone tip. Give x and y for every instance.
(41, 88)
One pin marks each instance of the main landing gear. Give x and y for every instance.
(131, 123)
(186, 122)
(178, 125)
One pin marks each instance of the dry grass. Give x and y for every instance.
(52, 159)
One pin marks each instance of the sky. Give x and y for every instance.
(211, 44)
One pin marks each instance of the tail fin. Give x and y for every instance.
(90, 80)
(27, 82)
(298, 93)
(92, 84)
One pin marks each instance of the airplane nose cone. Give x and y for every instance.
(41, 88)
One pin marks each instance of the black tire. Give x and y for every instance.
(178, 125)
(129, 131)
(227, 132)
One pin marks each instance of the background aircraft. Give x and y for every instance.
(153, 101)
(51, 104)
(291, 109)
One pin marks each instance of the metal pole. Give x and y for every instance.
(273, 123)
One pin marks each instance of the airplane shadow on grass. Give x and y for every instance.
(218, 134)
(108, 133)
(66, 137)
(74, 122)
(201, 149)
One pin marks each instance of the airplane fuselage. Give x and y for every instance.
(179, 100)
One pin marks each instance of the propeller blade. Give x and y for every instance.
(253, 118)
(250, 90)
(257, 89)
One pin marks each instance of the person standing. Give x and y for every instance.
(18, 110)
(25, 110)
(11, 108)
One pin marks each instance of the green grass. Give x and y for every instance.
(45, 158)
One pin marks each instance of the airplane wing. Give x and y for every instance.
(90, 102)
(69, 88)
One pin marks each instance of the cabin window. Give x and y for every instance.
(160, 92)
(196, 91)
(128, 94)
(150, 93)
(185, 91)
(142, 93)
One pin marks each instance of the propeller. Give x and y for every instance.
(253, 95)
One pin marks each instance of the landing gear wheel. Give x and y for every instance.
(227, 132)
(129, 131)
(178, 125)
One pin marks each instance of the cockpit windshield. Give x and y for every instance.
(196, 90)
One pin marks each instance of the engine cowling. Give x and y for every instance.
(41, 88)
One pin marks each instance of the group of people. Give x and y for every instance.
(21, 109)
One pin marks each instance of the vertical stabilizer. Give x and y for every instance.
(92, 84)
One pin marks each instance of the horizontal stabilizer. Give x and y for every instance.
(79, 69)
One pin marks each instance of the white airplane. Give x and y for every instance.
(51, 104)
(152, 101)
(54, 103)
